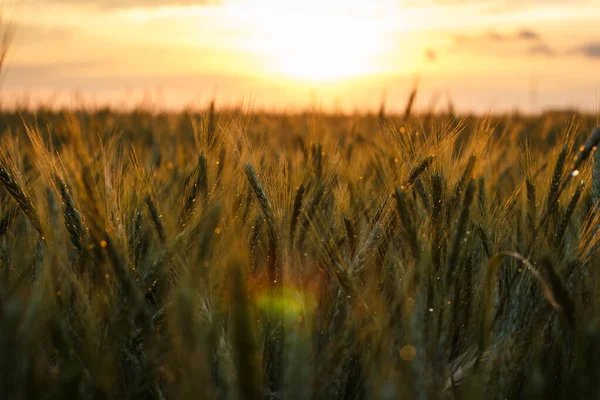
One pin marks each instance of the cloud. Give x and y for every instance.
(29, 32)
(509, 4)
(528, 34)
(541, 49)
(503, 7)
(496, 42)
(514, 42)
(124, 4)
(590, 50)
(495, 36)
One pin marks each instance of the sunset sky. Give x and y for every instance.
(489, 55)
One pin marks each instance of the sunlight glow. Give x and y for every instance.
(335, 53)
(307, 41)
(322, 49)
(318, 42)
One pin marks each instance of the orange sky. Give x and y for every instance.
(489, 55)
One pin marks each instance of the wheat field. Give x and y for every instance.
(225, 254)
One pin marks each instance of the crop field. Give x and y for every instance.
(237, 255)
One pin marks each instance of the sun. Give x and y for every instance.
(319, 41)
(322, 53)
(327, 49)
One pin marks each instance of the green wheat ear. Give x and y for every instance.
(299, 198)
(14, 189)
(155, 216)
(405, 218)
(198, 190)
(273, 268)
